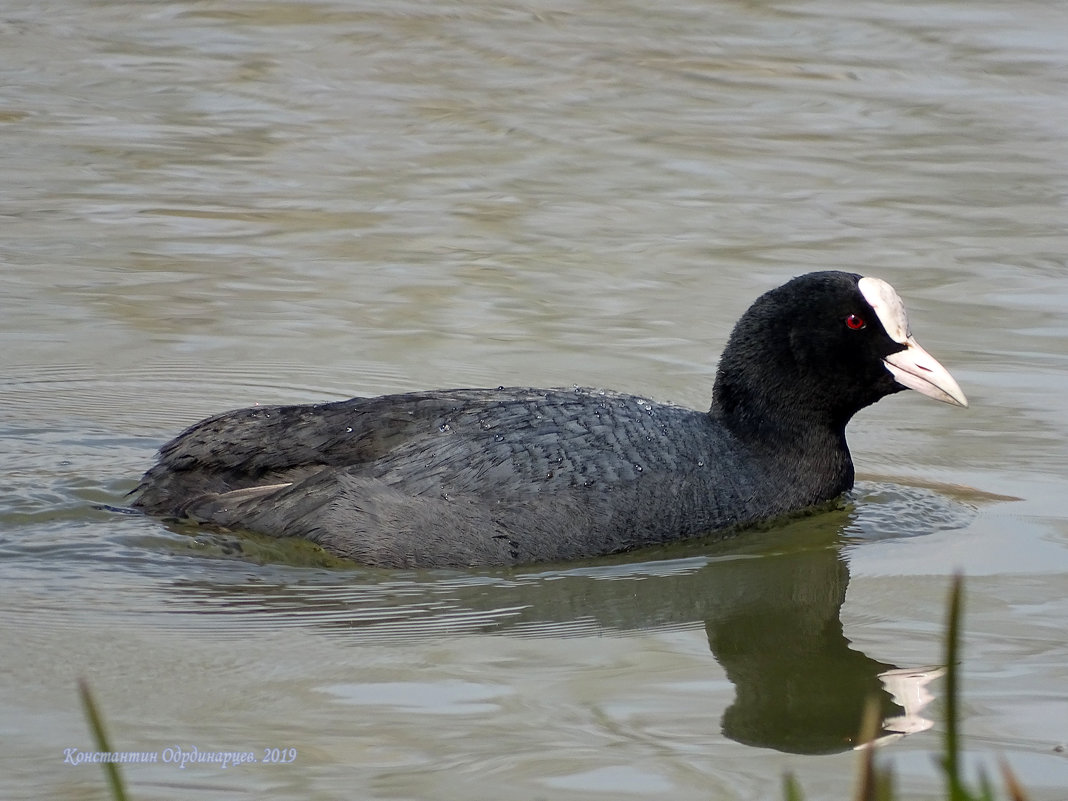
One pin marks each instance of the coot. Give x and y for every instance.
(508, 476)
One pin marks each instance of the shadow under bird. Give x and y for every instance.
(514, 475)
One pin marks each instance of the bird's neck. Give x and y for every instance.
(804, 448)
(774, 416)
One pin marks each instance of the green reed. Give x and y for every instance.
(876, 783)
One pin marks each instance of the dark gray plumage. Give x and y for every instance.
(507, 476)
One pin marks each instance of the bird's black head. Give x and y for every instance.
(817, 350)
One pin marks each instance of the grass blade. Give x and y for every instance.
(1015, 790)
(111, 770)
(868, 778)
(951, 758)
(791, 790)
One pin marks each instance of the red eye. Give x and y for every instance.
(854, 322)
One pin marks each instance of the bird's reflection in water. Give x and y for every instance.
(800, 686)
(770, 604)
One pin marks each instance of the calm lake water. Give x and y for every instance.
(208, 205)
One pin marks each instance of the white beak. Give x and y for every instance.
(917, 369)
